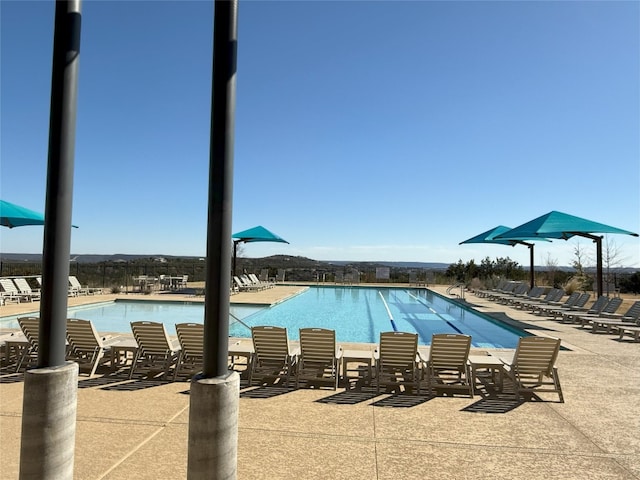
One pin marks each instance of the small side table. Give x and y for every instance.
(364, 361)
(486, 362)
(18, 346)
(121, 352)
(237, 351)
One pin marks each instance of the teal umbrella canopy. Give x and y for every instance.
(558, 225)
(490, 237)
(12, 215)
(564, 226)
(257, 234)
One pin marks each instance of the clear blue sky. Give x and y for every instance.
(364, 130)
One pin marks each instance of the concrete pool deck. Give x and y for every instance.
(139, 428)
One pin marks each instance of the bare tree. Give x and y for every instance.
(611, 258)
(551, 265)
(580, 257)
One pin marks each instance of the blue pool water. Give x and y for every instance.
(357, 314)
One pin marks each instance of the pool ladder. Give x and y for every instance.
(454, 286)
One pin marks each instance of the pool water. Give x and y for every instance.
(357, 314)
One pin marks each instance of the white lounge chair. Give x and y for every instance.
(25, 289)
(76, 286)
(397, 360)
(12, 292)
(319, 359)
(155, 352)
(9, 292)
(272, 356)
(243, 286)
(191, 356)
(256, 281)
(30, 327)
(448, 364)
(533, 367)
(85, 346)
(252, 281)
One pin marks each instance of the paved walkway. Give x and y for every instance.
(139, 428)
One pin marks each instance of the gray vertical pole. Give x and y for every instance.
(216, 325)
(598, 241)
(50, 391)
(532, 279)
(57, 227)
(599, 275)
(235, 254)
(214, 399)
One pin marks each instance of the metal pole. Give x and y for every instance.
(216, 308)
(235, 253)
(531, 260)
(598, 241)
(214, 399)
(57, 226)
(50, 391)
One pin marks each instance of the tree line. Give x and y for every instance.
(116, 275)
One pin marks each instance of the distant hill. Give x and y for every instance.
(277, 261)
(274, 261)
(422, 265)
(88, 258)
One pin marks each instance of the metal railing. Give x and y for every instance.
(460, 285)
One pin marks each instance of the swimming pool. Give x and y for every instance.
(357, 314)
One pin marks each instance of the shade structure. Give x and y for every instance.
(255, 234)
(564, 226)
(12, 215)
(558, 225)
(490, 237)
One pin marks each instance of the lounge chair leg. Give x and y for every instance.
(175, 370)
(94, 367)
(556, 382)
(133, 364)
(250, 375)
